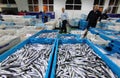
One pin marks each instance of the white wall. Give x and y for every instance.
(58, 4)
(87, 5)
(22, 5)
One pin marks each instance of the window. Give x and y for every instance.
(7, 1)
(45, 1)
(35, 1)
(69, 2)
(30, 1)
(30, 8)
(11, 1)
(33, 5)
(73, 5)
(113, 4)
(77, 2)
(48, 5)
(69, 7)
(100, 3)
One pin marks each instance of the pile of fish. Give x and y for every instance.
(48, 35)
(80, 61)
(67, 37)
(29, 62)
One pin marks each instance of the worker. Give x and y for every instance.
(44, 17)
(64, 18)
(92, 18)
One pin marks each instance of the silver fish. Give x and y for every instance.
(48, 35)
(68, 37)
(31, 61)
(80, 61)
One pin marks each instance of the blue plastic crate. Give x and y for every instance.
(116, 41)
(115, 46)
(107, 32)
(29, 16)
(94, 30)
(118, 20)
(45, 31)
(83, 24)
(99, 52)
(32, 40)
(74, 22)
(68, 35)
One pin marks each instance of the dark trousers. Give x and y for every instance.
(91, 24)
(63, 28)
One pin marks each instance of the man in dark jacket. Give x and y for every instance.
(92, 18)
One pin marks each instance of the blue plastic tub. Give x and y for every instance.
(68, 36)
(100, 31)
(111, 64)
(115, 46)
(94, 30)
(83, 24)
(118, 20)
(117, 42)
(29, 16)
(32, 40)
(45, 31)
(105, 34)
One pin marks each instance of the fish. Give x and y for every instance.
(67, 37)
(80, 61)
(48, 35)
(30, 61)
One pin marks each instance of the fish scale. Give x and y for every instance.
(80, 62)
(28, 62)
